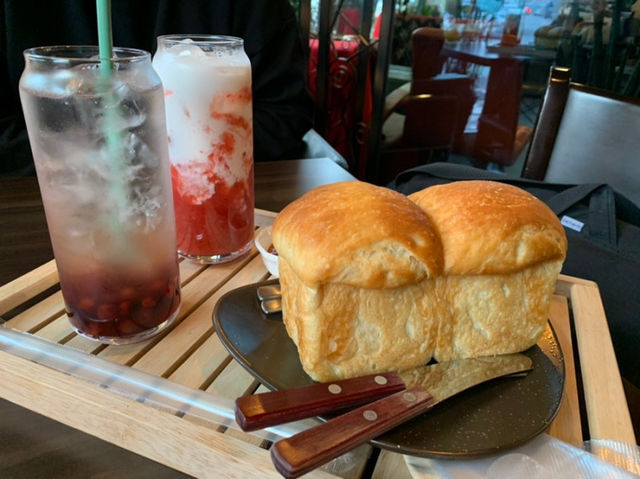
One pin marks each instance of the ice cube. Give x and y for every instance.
(131, 112)
(54, 84)
(193, 51)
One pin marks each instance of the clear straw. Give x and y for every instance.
(134, 384)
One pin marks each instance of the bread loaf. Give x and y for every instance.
(375, 281)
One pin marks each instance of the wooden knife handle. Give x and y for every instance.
(309, 449)
(268, 409)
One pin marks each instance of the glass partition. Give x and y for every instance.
(506, 46)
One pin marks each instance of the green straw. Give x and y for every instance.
(105, 36)
(112, 135)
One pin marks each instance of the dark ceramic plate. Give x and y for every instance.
(492, 417)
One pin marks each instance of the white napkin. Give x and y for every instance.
(542, 458)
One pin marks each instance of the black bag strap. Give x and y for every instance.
(602, 200)
(562, 201)
(602, 217)
(448, 171)
(602, 210)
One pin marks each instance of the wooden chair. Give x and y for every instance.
(426, 117)
(422, 133)
(500, 138)
(585, 135)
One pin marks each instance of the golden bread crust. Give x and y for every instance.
(344, 331)
(488, 227)
(372, 281)
(358, 234)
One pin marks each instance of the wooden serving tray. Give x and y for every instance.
(190, 353)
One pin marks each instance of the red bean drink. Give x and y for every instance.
(98, 136)
(207, 88)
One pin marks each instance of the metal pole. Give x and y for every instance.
(322, 79)
(373, 166)
(304, 16)
(361, 133)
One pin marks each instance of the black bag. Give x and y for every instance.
(606, 249)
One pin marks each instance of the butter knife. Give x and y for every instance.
(427, 386)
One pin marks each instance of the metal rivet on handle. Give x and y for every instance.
(409, 397)
(370, 415)
(380, 380)
(334, 389)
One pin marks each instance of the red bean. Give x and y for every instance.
(107, 312)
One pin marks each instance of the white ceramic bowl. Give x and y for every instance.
(263, 243)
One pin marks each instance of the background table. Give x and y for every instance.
(498, 122)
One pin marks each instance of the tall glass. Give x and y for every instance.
(98, 136)
(207, 88)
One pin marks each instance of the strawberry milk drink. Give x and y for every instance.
(207, 92)
(98, 138)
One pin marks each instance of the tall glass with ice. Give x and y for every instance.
(98, 136)
(207, 88)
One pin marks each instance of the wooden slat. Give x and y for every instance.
(27, 286)
(607, 409)
(39, 314)
(391, 464)
(181, 341)
(232, 382)
(264, 217)
(85, 345)
(566, 426)
(193, 295)
(206, 361)
(199, 360)
(57, 330)
(565, 283)
(53, 306)
(189, 270)
(193, 449)
(352, 464)
(347, 467)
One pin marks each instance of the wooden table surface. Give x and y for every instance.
(33, 446)
(593, 405)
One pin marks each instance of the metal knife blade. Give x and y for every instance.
(309, 449)
(446, 379)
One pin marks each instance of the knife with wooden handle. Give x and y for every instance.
(430, 385)
(278, 407)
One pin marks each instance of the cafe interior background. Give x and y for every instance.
(360, 59)
(362, 64)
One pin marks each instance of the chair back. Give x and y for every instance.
(430, 121)
(426, 45)
(584, 135)
(498, 125)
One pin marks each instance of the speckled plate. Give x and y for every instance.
(493, 417)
